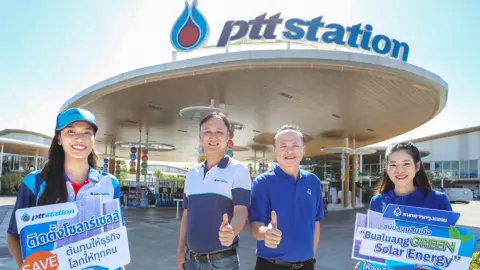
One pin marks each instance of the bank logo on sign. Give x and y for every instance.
(397, 212)
(190, 30)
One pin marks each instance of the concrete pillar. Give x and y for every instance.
(139, 159)
(325, 169)
(139, 153)
(112, 164)
(36, 160)
(254, 161)
(354, 179)
(380, 165)
(347, 181)
(345, 177)
(146, 147)
(1, 165)
(263, 160)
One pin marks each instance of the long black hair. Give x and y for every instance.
(54, 174)
(420, 180)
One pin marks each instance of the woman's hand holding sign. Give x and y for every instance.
(273, 236)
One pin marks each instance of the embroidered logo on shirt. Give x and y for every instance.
(223, 181)
(99, 193)
(309, 192)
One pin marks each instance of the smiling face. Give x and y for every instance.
(289, 148)
(77, 140)
(214, 136)
(402, 169)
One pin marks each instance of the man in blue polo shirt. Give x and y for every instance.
(286, 208)
(217, 196)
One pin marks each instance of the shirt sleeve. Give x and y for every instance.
(185, 192)
(445, 203)
(25, 199)
(241, 188)
(116, 188)
(259, 207)
(376, 204)
(320, 214)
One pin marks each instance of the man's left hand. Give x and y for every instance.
(226, 233)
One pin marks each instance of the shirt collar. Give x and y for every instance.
(278, 171)
(93, 175)
(222, 164)
(416, 194)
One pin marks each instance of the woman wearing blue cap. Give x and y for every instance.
(69, 174)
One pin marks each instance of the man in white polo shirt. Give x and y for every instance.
(217, 197)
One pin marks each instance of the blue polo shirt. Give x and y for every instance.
(433, 200)
(298, 204)
(209, 194)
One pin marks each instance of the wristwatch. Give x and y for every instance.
(314, 260)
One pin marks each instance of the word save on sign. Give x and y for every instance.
(41, 260)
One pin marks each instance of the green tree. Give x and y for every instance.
(475, 264)
(11, 182)
(158, 174)
(123, 175)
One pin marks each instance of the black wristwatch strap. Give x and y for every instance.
(314, 260)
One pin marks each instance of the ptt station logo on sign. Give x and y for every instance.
(26, 217)
(61, 212)
(190, 32)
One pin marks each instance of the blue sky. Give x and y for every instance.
(51, 50)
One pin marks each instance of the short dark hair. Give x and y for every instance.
(289, 127)
(216, 114)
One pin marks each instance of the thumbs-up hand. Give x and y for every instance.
(272, 235)
(226, 233)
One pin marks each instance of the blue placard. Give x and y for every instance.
(421, 215)
(405, 237)
(85, 234)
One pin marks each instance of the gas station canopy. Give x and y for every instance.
(330, 95)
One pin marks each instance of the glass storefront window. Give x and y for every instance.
(30, 163)
(16, 163)
(24, 164)
(463, 169)
(41, 162)
(473, 169)
(455, 169)
(446, 168)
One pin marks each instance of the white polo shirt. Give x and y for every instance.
(208, 195)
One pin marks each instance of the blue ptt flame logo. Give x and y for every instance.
(190, 30)
(25, 217)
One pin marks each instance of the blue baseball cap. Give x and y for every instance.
(73, 115)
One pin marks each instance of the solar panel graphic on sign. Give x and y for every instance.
(362, 222)
(86, 209)
(108, 208)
